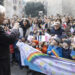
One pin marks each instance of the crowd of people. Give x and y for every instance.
(61, 31)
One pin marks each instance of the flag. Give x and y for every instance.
(55, 53)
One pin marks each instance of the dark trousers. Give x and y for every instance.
(4, 67)
(24, 32)
(17, 56)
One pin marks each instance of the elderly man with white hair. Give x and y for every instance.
(56, 29)
(5, 41)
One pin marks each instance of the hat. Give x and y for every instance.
(68, 42)
(56, 23)
(36, 42)
(57, 39)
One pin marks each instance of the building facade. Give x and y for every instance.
(53, 7)
(63, 7)
(14, 7)
(1, 2)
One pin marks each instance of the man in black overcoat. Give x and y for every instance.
(5, 41)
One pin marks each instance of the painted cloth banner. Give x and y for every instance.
(43, 63)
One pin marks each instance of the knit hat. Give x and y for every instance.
(68, 42)
(36, 42)
(57, 39)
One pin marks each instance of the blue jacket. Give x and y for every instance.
(73, 54)
(57, 50)
(50, 49)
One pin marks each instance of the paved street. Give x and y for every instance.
(15, 70)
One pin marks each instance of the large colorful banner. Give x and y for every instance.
(43, 63)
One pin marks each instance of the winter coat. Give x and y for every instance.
(58, 32)
(55, 51)
(66, 53)
(5, 41)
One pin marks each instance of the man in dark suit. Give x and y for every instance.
(5, 41)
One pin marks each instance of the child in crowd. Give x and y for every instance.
(66, 51)
(12, 57)
(35, 43)
(73, 52)
(44, 47)
(54, 49)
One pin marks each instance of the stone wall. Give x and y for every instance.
(64, 7)
(54, 7)
(9, 8)
(1, 2)
(68, 7)
(9, 5)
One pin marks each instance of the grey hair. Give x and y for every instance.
(2, 10)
